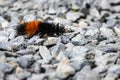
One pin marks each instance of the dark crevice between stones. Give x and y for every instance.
(7, 17)
(111, 42)
(85, 11)
(49, 46)
(70, 77)
(118, 77)
(114, 31)
(9, 54)
(87, 43)
(75, 34)
(53, 61)
(100, 38)
(111, 50)
(42, 70)
(117, 60)
(115, 4)
(24, 79)
(100, 10)
(8, 73)
(77, 20)
(103, 18)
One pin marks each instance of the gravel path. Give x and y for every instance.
(91, 52)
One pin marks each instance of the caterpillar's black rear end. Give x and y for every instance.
(50, 29)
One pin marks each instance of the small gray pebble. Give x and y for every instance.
(5, 46)
(114, 69)
(12, 77)
(55, 50)
(2, 75)
(44, 52)
(86, 74)
(23, 74)
(5, 67)
(25, 61)
(25, 52)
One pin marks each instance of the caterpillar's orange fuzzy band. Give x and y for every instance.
(32, 27)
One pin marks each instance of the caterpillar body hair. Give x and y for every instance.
(34, 27)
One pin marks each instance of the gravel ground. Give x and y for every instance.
(91, 52)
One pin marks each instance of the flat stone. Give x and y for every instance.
(86, 74)
(40, 1)
(95, 11)
(5, 46)
(62, 10)
(55, 50)
(44, 52)
(92, 34)
(33, 47)
(62, 56)
(25, 61)
(2, 75)
(14, 20)
(73, 16)
(116, 8)
(75, 6)
(50, 41)
(37, 77)
(29, 17)
(35, 40)
(52, 10)
(53, 76)
(111, 23)
(27, 5)
(18, 41)
(101, 69)
(78, 51)
(22, 74)
(64, 70)
(105, 4)
(117, 30)
(16, 6)
(107, 32)
(62, 21)
(83, 24)
(111, 76)
(3, 22)
(118, 61)
(37, 68)
(48, 68)
(12, 33)
(12, 77)
(65, 39)
(2, 57)
(25, 52)
(37, 56)
(105, 59)
(5, 67)
(9, 54)
(79, 40)
(4, 36)
(115, 69)
(77, 64)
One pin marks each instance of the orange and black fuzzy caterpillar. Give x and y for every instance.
(34, 27)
